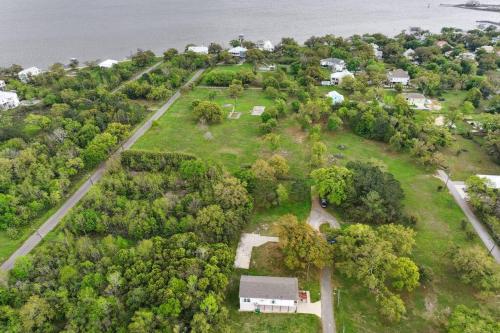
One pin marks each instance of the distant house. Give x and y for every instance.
(492, 181)
(26, 74)
(495, 39)
(398, 76)
(268, 294)
(338, 77)
(267, 68)
(198, 49)
(2, 85)
(107, 63)
(8, 100)
(409, 54)
(336, 97)
(416, 100)
(238, 51)
(265, 45)
(377, 51)
(335, 64)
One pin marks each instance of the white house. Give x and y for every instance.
(268, 294)
(238, 51)
(398, 76)
(441, 43)
(336, 97)
(26, 74)
(107, 63)
(336, 78)
(2, 85)
(377, 51)
(265, 45)
(336, 65)
(409, 54)
(8, 100)
(416, 100)
(492, 181)
(198, 49)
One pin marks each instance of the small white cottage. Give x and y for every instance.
(265, 45)
(26, 74)
(268, 294)
(335, 64)
(8, 100)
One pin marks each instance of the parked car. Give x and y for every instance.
(323, 202)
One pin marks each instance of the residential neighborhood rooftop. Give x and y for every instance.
(269, 287)
(399, 73)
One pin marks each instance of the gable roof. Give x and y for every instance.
(414, 96)
(398, 73)
(269, 287)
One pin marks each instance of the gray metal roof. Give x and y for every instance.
(399, 73)
(268, 287)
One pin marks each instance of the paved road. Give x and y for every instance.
(137, 76)
(481, 230)
(317, 217)
(54, 220)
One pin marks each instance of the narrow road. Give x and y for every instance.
(480, 229)
(137, 76)
(317, 217)
(54, 220)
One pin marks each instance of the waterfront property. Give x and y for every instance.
(26, 74)
(338, 77)
(268, 294)
(336, 97)
(265, 45)
(238, 51)
(335, 64)
(198, 49)
(8, 100)
(398, 76)
(107, 63)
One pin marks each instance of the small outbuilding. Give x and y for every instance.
(108, 63)
(336, 97)
(8, 100)
(379, 54)
(416, 100)
(26, 74)
(268, 294)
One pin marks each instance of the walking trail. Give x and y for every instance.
(480, 229)
(54, 220)
(318, 217)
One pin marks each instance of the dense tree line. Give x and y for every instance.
(143, 252)
(79, 122)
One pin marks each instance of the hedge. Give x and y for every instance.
(141, 160)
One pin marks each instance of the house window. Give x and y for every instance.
(246, 300)
(273, 301)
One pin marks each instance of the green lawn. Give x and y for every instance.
(245, 322)
(238, 143)
(438, 228)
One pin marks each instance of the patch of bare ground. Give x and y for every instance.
(298, 135)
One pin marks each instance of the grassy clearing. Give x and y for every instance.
(244, 322)
(438, 229)
(238, 143)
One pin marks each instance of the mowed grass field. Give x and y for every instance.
(438, 229)
(237, 143)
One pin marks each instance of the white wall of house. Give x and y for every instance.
(403, 80)
(8, 100)
(251, 304)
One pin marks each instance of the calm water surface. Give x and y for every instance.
(41, 32)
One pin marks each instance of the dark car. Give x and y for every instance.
(323, 202)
